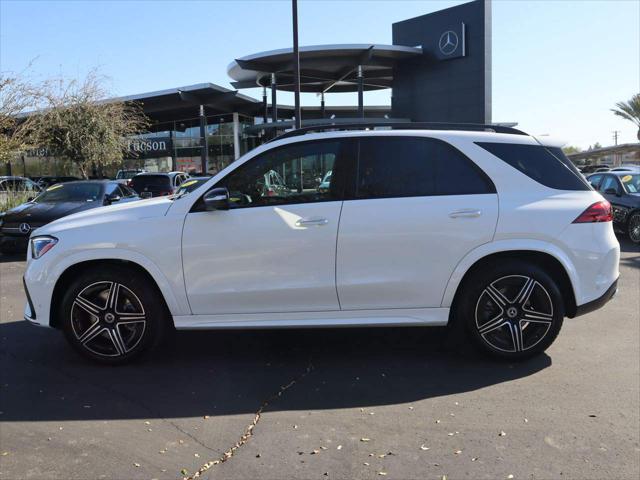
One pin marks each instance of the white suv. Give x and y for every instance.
(495, 232)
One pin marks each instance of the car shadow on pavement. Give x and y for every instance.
(627, 246)
(232, 372)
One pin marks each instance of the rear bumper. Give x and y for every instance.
(598, 302)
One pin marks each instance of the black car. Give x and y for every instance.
(48, 180)
(157, 184)
(55, 202)
(622, 190)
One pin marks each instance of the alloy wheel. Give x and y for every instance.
(514, 313)
(634, 228)
(108, 319)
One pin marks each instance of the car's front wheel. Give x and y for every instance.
(633, 227)
(513, 310)
(112, 314)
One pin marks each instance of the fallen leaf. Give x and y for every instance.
(258, 455)
(206, 417)
(295, 427)
(437, 421)
(365, 439)
(526, 420)
(366, 464)
(410, 408)
(474, 459)
(502, 433)
(323, 448)
(450, 434)
(147, 423)
(184, 471)
(339, 447)
(422, 447)
(197, 455)
(592, 416)
(4, 454)
(136, 465)
(382, 474)
(315, 452)
(180, 442)
(458, 452)
(509, 476)
(382, 455)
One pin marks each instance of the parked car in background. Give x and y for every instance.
(16, 190)
(56, 202)
(48, 180)
(496, 234)
(622, 190)
(602, 169)
(191, 184)
(128, 174)
(149, 185)
(326, 182)
(626, 168)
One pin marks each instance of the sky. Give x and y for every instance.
(559, 66)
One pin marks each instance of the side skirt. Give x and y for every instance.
(432, 317)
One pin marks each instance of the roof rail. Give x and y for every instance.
(403, 126)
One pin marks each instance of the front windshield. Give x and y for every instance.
(71, 192)
(631, 183)
(190, 185)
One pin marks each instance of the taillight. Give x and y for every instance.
(596, 213)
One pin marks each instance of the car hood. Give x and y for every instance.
(42, 213)
(137, 210)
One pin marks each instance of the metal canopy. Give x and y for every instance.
(323, 68)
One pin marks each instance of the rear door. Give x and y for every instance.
(418, 206)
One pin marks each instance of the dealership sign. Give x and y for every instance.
(451, 43)
(150, 147)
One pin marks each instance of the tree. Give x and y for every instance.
(16, 96)
(76, 124)
(630, 110)
(569, 149)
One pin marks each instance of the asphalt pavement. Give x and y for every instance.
(342, 404)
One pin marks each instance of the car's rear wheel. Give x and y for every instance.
(112, 315)
(633, 227)
(513, 310)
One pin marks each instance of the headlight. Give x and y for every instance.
(41, 245)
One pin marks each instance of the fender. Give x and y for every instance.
(177, 304)
(505, 246)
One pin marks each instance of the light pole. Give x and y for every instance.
(296, 62)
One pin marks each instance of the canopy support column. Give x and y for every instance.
(265, 105)
(274, 106)
(360, 92)
(204, 154)
(323, 112)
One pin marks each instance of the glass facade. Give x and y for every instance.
(173, 145)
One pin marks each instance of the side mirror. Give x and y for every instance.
(612, 191)
(216, 199)
(109, 199)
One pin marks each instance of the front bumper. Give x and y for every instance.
(598, 302)
(13, 244)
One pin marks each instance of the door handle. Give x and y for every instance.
(310, 222)
(465, 213)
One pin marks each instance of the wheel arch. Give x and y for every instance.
(76, 269)
(551, 263)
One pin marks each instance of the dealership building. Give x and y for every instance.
(438, 68)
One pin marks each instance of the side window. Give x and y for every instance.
(595, 180)
(287, 175)
(538, 163)
(416, 167)
(112, 188)
(610, 183)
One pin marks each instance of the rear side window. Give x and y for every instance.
(415, 167)
(595, 180)
(542, 164)
(140, 181)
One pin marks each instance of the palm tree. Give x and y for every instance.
(630, 111)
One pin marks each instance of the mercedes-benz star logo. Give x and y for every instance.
(448, 42)
(25, 228)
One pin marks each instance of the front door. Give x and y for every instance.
(274, 250)
(418, 208)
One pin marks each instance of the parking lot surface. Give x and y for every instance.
(358, 403)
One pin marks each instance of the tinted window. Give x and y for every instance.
(71, 192)
(539, 163)
(609, 183)
(595, 180)
(631, 183)
(139, 182)
(286, 175)
(410, 167)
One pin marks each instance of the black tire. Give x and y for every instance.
(113, 314)
(503, 318)
(633, 227)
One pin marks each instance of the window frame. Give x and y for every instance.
(345, 158)
(353, 184)
(616, 181)
(596, 187)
